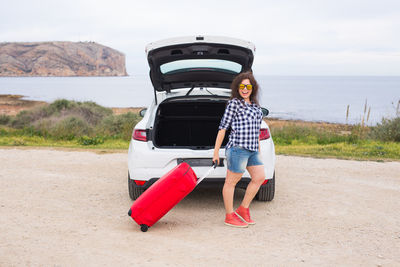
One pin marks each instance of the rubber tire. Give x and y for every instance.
(134, 190)
(267, 191)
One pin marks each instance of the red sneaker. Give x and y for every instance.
(244, 214)
(233, 219)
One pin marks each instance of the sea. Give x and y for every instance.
(334, 99)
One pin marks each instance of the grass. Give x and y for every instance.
(20, 139)
(86, 125)
(359, 142)
(364, 150)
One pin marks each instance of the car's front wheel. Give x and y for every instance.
(134, 190)
(267, 191)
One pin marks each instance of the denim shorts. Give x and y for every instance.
(239, 158)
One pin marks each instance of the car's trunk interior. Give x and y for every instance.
(189, 123)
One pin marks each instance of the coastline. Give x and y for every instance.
(11, 105)
(291, 137)
(288, 98)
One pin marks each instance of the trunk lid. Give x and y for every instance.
(197, 61)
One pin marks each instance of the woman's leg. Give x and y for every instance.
(257, 178)
(232, 178)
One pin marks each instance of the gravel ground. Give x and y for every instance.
(69, 208)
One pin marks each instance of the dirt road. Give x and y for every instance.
(69, 208)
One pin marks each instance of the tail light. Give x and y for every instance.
(264, 134)
(138, 182)
(139, 135)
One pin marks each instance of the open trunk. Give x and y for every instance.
(189, 123)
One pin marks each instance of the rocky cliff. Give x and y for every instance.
(60, 59)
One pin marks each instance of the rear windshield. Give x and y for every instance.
(200, 64)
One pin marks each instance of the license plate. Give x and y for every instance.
(197, 162)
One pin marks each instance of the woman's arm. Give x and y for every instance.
(218, 143)
(225, 123)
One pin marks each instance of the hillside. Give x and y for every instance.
(60, 59)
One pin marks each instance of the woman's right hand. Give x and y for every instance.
(216, 158)
(218, 142)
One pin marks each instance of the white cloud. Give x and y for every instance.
(323, 37)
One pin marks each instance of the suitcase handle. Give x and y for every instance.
(207, 173)
(215, 164)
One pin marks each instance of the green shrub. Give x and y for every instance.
(278, 140)
(118, 126)
(287, 134)
(23, 119)
(64, 119)
(309, 135)
(4, 119)
(324, 138)
(31, 131)
(3, 132)
(353, 138)
(92, 112)
(89, 111)
(87, 141)
(61, 104)
(67, 128)
(387, 130)
(18, 142)
(41, 127)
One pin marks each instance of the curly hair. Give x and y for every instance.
(238, 80)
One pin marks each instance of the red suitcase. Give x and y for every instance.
(164, 194)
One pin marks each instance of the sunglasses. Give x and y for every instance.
(248, 86)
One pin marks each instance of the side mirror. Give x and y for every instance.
(142, 112)
(265, 112)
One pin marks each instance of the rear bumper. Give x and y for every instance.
(206, 183)
(146, 161)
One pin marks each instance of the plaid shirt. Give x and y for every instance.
(245, 121)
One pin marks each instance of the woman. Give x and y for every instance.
(243, 114)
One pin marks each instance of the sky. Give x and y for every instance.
(300, 37)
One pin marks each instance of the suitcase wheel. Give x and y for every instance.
(144, 228)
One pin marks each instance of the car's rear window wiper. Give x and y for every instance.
(191, 89)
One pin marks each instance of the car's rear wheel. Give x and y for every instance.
(267, 191)
(134, 190)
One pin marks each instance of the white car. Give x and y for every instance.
(191, 77)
